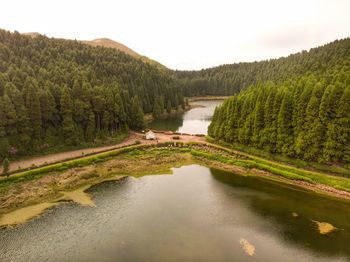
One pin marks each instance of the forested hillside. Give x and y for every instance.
(230, 79)
(56, 91)
(105, 42)
(300, 113)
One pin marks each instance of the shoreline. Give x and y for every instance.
(149, 118)
(158, 159)
(323, 190)
(205, 98)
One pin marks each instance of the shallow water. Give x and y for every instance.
(196, 214)
(194, 121)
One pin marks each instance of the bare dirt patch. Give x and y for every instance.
(22, 215)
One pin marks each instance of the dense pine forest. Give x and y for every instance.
(230, 79)
(55, 91)
(299, 113)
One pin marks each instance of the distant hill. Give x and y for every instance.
(109, 43)
(106, 42)
(32, 34)
(232, 78)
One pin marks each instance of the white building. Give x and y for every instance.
(150, 135)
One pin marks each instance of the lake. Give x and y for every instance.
(195, 214)
(193, 121)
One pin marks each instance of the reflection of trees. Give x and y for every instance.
(171, 123)
(279, 204)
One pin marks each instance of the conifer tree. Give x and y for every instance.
(337, 144)
(34, 110)
(168, 107)
(4, 144)
(156, 108)
(137, 117)
(284, 126)
(68, 126)
(5, 167)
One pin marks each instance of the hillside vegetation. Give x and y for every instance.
(297, 106)
(55, 91)
(232, 78)
(105, 42)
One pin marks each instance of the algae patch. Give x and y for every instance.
(79, 196)
(22, 215)
(247, 247)
(324, 227)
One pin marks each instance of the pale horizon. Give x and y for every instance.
(188, 35)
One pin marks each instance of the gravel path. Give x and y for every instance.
(63, 156)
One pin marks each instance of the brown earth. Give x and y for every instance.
(63, 156)
(55, 185)
(51, 184)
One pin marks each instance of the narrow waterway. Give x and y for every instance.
(194, 121)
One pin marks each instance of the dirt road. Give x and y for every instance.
(63, 156)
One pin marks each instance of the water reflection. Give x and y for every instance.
(291, 211)
(194, 121)
(197, 214)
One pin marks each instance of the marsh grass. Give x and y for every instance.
(337, 170)
(288, 172)
(169, 149)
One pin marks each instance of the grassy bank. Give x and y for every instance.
(46, 183)
(222, 155)
(287, 172)
(301, 164)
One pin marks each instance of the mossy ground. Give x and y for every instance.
(47, 183)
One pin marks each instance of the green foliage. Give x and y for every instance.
(231, 78)
(285, 171)
(137, 114)
(168, 107)
(158, 108)
(221, 155)
(54, 91)
(306, 120)
(5, 167)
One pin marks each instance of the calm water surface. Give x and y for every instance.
(194, 121)
(196, 214)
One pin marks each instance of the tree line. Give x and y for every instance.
(298, 106)
(307, 117)
(232, 78)
(55, 91)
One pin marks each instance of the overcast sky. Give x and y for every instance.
(188, 34)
